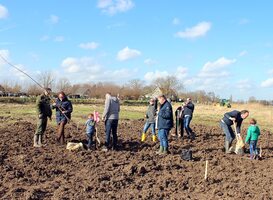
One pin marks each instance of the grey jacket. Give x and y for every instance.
(112, 108)
(151, 114)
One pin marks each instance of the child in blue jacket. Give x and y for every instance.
(90, 129)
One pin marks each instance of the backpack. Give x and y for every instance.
(186, 154)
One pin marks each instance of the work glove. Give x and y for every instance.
(232, 119)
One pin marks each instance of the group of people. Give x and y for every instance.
(44, 107)
(64, 108)
(157, 118)
(253, 132)
(162, 120)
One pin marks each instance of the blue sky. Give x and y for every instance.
(219, 46)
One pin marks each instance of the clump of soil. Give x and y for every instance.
(133, 172)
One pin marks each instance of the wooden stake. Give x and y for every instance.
(206, 170)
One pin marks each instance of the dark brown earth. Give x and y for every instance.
(133, 172)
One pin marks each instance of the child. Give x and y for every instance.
(253, 133)
(150, 116)
(90, 129)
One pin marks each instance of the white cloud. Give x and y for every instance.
(267, 83)
(53, 19)
(71, 65)
(149, 61)
(3, 12)
(5, 54)
(104, 3)
(244, 84)
(176, 21)
(213, 76)
(117, 74)
(59, 39)
(243, 53)
(19, 74)
(112, 7)
(205, 74)
(216, 69)
(181, 72)
(84, 64)
(194, 32)
(126, 54)
(88, 69)
(150, 76)
(89, 45)
(218, 64)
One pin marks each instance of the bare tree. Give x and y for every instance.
(6, 85)
(134, 89)
(16, 88)
(74, 89)
(170, 84)
(46, 79)
(63, 85)
(34, 90)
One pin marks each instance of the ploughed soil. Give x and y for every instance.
(132, 172)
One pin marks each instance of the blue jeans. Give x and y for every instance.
(252, 148)
(228, 132)
(163, 137)
(111, 125)
(90, 139)
(187, 121)
(147, 126)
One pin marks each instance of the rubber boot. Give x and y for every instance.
(165, 150)
(160, 150)
(154, 138)
(36, 141)
(143, 137)
(227, 147)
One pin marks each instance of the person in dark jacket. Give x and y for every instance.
(150, 122)
(227, 121)
(44, 112)
(165, 123)
(179, 125)
(64, 109)
(111, 117)
(188, 114)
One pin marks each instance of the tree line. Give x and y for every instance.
(132, 90)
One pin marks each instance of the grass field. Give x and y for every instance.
(204, 114)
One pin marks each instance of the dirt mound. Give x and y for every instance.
(133, 172)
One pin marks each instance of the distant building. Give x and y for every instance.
(81, 93)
